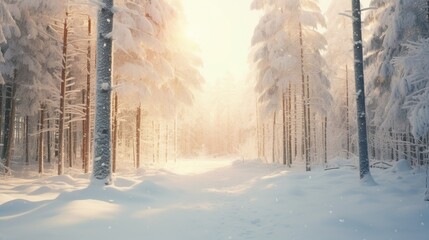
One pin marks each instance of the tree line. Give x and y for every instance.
(303, 67)
(48, 82)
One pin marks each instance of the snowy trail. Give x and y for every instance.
(217, 199)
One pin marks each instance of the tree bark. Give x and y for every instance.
(70, 142)
(1, 116)
(87, 133)
(347, 113)
(290, 124)
(360, 91)
(305, 105)
(309, 145)
(102, 149)
(27, 141)
(10, 125)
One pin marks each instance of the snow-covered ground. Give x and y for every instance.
(218, 199)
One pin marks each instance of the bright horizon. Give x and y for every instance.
(223, 32)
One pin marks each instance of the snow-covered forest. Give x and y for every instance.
(125, 88)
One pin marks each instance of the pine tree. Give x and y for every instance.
(287, 51)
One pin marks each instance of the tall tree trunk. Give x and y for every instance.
(9, 132)
(1, 116)
(295, 122)
(27, 141)
(102, 150)
(290, 124)
(41, 133)
(83, 147)
(8, 108)
(62, 100)
(138, 135)
(70, 142)
(305, 104)
(87, 133)
(309, 145)
(360, 91)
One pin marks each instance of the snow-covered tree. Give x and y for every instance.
(277, 50)
(31, 59)
(156, 65)
(32, 52)
(287, 51)
(7, 28)
(340, 59)
(413, 86)
(392, 23)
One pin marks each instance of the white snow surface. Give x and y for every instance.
(217, 199)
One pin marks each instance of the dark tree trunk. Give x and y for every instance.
(360, 91)
(27, 141)
(290, 125)
(102, 133)
(9, 132)
(309, 145)
(1, 116)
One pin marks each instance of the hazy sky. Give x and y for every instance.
(223, 30)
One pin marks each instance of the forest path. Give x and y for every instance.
(216, 199)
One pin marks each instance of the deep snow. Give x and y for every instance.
(218, 199)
